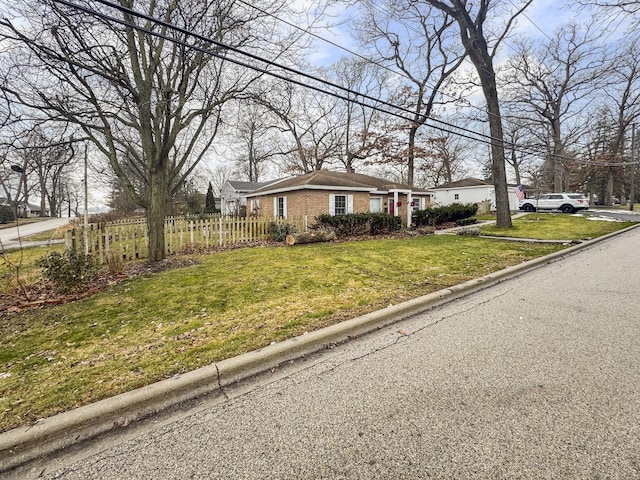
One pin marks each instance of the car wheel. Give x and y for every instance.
(527, 207)
(567, 209)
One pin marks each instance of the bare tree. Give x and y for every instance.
(219, 175)
(357, 141)
(417, 40)
(148, 96)
(447, 153)
(551, 83)
(616, 12)
(252, 141)
(619, 110)
(481, 43)
(309, 121)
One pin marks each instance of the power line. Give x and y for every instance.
(482, 137)
(448, 127)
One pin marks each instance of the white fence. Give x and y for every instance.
(129, 237)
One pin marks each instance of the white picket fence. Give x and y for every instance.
(129, 237)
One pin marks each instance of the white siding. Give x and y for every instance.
(468, 195)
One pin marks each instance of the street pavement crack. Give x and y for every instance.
(220, 387)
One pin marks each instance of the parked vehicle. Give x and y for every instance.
(614, 201)
(565, 202)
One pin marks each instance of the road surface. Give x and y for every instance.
(536, 377)
(12, 238)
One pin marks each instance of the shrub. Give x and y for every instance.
(359, 223)
(463, 222)
(6, 214)
(279, 231)
(115, 262)
(437, 215)
(69, 269)
(469, 232)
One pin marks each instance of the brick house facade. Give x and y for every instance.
(335, 193)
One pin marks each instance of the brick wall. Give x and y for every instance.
(316, 202)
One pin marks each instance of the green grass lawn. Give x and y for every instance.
(152, 327)
(555, 226)
(19, 265)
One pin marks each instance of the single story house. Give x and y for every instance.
(335, 193)
(471, 190)
(24, 209)
(232, 195)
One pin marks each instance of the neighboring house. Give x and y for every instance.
(232, 195)
(469, 191)
(35, 211)
(335, 193)
(24, 209)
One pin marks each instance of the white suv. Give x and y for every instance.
(565, 202)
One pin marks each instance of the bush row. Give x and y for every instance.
(360, 223)
(437, 215)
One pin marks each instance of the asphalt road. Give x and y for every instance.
(12, 238)
(536, 377)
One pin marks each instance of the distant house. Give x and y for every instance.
(335, 193)
(36, 211)
(24, 209)
(469, 191)
(232, 195)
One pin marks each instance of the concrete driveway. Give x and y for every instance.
(535, 377)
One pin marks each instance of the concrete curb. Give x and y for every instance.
(23, 445)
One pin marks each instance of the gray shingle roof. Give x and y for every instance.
(248, 186)
(465, 182)
(330, 179)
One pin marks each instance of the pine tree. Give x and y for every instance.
(210, 203)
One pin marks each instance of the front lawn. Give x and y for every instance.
(149, 328)
(556, 226)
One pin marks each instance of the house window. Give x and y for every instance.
(375, 205)
(456, 196)
(340, 204)
(255, 206)
(280, 207)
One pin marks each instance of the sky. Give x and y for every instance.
(539, 20)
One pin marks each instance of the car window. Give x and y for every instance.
(576, 197)
(555, 197)
(543, 197)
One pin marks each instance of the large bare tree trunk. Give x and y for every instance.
(472, 35)
(498, 169)
(158, 206)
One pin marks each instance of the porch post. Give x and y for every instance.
(409, 208)
(396, 210)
